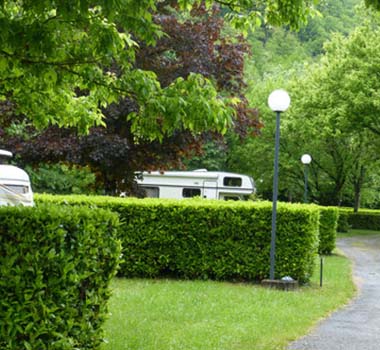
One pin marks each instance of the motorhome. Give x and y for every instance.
(15, 187)
(197, 183)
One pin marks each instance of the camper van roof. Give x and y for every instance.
(5, 153)
(201, 173)
(10, 172)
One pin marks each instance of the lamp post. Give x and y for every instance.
(306, 160)
(278, 102)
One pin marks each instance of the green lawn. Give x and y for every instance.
(204, 315)
(358, 232)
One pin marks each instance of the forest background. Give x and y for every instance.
(328, 66)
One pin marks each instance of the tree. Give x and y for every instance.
(55, 61)
(335, 109)
(351, 64)
(51, 50)
(320, 122)
(115, 153)
(67, 66)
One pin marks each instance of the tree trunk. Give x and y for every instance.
(358, 184)
(357, 190)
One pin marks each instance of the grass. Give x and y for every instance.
(357, 232)
(206, 315)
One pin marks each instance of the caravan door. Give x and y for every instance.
(210, 190)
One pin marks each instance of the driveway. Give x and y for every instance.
(357, 326)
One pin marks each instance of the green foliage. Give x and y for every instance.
(334, 113)
(332, 117)
(56, 264)
(339, 16)
(209, 239)
(213, 158)
(328, 223)
(343, 225)
(275, 50)
(247, 14)
(61, 179)
(61, 63)
(365, 219)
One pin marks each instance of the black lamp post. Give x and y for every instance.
(278, 102)
(306, 160)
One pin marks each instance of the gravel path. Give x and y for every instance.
(357, 326)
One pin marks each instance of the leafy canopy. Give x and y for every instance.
(62, 61)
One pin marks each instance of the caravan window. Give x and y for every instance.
(232, 181)
(191, 192)
(152, 192)
(231, 198)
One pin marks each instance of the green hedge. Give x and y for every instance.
(366, 219)
(210, 239)
(327, 229)
(56, 264)
(343, 220)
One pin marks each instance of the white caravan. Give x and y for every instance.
(197, 183)
(15, 185)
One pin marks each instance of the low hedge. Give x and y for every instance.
(327, 229)
(223, 241)
(55, 268)
(210, 239)
(366, 219)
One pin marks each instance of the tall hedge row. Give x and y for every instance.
(210, 239)
(56, 264)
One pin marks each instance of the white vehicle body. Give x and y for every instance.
(15, 187)
(202, 183)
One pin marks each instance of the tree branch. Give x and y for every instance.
(100, 83)
(51, 63)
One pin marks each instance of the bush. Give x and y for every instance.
(61, 179)
(365, 219)
(210, 239)
(343, 225)
(327, 229)
(55, 265)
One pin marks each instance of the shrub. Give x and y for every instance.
(210, 239)
(343, 225)
(365, 219)
(61, 179)
(327, 229)
(55, 265)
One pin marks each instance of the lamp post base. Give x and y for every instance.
(280, 284)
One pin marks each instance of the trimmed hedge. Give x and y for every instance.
(56, 264)
(366, 219)
(217, 240)
(202, 239)
(343, 224)
(327, 229)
